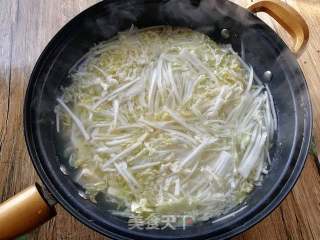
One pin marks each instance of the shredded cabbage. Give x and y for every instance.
(167, 121)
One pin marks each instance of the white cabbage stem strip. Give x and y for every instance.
(124, 172)
(194, 154)
(57, 121)
(113, 94)
(180, 120)
(125, 152)
(152, 91)
(146, 165)
(196, 62)
(247, 164)
(76, 120)
(116, 112)
(173, 132)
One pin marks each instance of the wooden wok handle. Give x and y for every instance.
(24, 212)
(288, 18)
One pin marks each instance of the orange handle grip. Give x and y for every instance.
(288, 18)
(24, 212)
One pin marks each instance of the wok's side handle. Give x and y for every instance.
(288, 18)
(24, 212)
